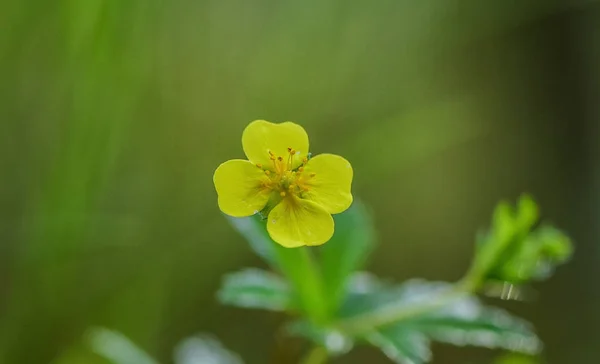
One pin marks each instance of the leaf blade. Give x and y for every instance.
(347, 251)
(116, 347)
(256, 288)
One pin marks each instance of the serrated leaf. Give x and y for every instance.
(460, 321)
(203, 349)
(347, 251)
(401, 345)
(116, 347)
(256, 288)
(468, 322)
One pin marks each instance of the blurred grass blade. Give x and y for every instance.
(117, 348)
(347, 251)
(203, 349)
(255, 288)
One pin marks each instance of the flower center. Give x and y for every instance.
(284, 178)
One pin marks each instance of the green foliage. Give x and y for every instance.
(255, 288)
(116, 348)
(253, 230)
(513, 251)
(353, 240)
(516, 359)
(400, 319)
(336, 342)
(401, 345)
(202, 349)
(347, 251)
(458, 319)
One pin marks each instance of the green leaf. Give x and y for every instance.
(468, 322)
(401, 345)
(334, 341)
(116, 347)
(256, 288)
(516, 359)
(461, 320)
(252, 228)
(347, 251)
(513, 252)
(203, 349)
(296, 264)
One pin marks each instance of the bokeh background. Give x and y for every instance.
(114, 115)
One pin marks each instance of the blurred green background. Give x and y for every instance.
(114, 115)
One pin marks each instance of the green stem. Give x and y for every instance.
(300, 268)
(317, 355)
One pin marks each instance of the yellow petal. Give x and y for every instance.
(241, 188)
(295, 222)
(261, 136)
(329, 179)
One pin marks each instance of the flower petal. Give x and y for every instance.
(331, 183)
(296, 222)
(241, 188)
(261, 136)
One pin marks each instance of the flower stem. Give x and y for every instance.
(300, 268)
(317, 355)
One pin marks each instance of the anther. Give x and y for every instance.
(282, 194)
(289, 150)
(300, 169)
(280, 158)
(313, 174)
(259, 165)
(267, 172)
(304, 160)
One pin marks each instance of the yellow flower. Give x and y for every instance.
(298, 192)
